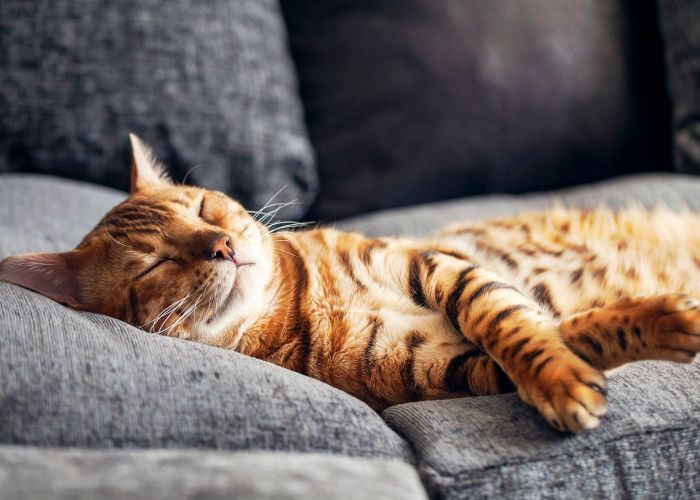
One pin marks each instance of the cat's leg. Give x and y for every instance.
(515, 332)
(662, 327)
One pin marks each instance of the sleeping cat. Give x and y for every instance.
(540, 303)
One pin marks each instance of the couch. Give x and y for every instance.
(91, 407)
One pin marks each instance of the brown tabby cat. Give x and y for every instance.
(541, 303)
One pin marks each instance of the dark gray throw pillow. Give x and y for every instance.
(418, 100)
(680, 20)
(209, 84)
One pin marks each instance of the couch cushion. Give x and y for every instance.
(209, 84)
(416, 101)
(497, 447)
(40, 213)
(38, 473)
(74, 379)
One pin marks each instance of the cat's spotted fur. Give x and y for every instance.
(541, 303)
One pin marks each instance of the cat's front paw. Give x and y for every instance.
(569, 393)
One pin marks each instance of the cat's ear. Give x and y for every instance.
(54, 275)
(146, 170)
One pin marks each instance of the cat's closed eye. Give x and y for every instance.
(212, 209)
(200, 211)
(154, 266)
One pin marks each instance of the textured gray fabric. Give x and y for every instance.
(37, 474)
(208, 84)
(496, 447)
(680, 22)
(41, 213)
(673, 190)
(76, 379)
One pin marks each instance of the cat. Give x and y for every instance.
(541, 303)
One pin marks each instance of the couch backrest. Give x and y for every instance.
(415, 101)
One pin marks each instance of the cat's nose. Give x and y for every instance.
(221, 248)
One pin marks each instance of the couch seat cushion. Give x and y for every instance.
(76, 379)
(497, 447)
(39, 473)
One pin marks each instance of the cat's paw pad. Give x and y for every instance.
(569, 393)
(673, 327)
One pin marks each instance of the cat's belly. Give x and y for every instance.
(384, 352)
(570, 261)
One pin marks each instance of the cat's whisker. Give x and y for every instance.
(272, 213)
(184, 179)
(263, 211)
(201, 295)
(289, 225)
(288, 253)
(191, 311)
(174, 307)
(104, 226)
(166, 310)
(191, 308)
(185, 315)
(261, 215)
(290, 222)
(161, 314)
(273, 197)
(246, 228)
(283, 228)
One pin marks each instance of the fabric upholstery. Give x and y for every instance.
(40, 213)
(209, 84)
(417, 101)
(28, 473)
(496, 447)
(74, 379)
(680, 21)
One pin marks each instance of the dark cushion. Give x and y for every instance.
(680, 20)
(74, 379)
(37, 473)
(209, 84)
(415, 101)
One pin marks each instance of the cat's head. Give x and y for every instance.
(171, 259)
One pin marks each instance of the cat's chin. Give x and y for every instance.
(234, 291)
(232, 295)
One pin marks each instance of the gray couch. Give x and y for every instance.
(434, 100)
(93, 408)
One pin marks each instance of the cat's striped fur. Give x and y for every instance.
(541, 303)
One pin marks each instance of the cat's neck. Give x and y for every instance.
(278, 331)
